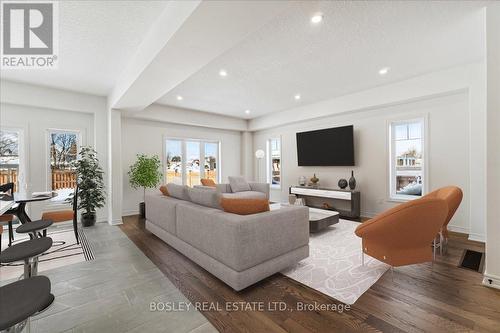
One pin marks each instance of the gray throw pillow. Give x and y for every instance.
(205, 197)
(239, 184)
(178, 191)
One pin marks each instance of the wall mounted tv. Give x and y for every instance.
(326, 147)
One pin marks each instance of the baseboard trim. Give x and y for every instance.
(130, 212)
(491, 281)
(477, 238)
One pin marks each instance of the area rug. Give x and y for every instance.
(64, 251)
(334, 264)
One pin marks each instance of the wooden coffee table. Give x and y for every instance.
(319, 219)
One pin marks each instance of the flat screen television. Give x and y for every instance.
(326, 147)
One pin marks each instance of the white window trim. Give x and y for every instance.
(49, 204)
(22, 177)
(391, 167)
(269, 163)
(183, 152)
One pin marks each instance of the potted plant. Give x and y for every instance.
(91, 194)
(145, 173)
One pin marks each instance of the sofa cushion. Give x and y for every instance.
(164, 190)
(207, 182)
(239, 184)
(244, 206)
(244, 195)
(178, 191)
(204, 196)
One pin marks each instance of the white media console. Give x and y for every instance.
(352, 197)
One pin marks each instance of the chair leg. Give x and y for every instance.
(75, 229)
(434, 249)
(362, 257)
(392, 274)
(11, 233)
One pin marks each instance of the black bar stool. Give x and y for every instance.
(33, 228)
(27, 251)
(21, 300)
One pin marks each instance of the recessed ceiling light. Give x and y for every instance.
(222, 72)
(317, 18)
(247, 111)
(297, 97)
(179, 98)
(384, 71)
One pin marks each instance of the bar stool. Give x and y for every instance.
(34, 228)
(22, 299)
(27, 251)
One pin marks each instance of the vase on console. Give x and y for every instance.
(352, 181)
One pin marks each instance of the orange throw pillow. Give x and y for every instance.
(163, 190)
(244, 206)
(208, 182)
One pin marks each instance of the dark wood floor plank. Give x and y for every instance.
(418, 298)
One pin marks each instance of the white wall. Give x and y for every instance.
(39, 107)
(492, 271)
(448, 142)
(145, 136)
(35, 123)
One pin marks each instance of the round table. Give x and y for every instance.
(22, 198)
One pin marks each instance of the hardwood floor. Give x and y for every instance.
(418, 298)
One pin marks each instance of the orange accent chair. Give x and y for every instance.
(453, 196)
(403, 235)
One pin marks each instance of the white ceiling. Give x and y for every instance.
(279, 56)
(96, 41)
(341, 55)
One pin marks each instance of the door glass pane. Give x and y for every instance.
(174, 162)
(275, 162)
(192, 163)
(63, 152)
(211, 163)
(9, 157)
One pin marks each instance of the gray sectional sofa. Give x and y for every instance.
(238, 249)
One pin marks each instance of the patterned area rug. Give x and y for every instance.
(64, 251)
(334, 264)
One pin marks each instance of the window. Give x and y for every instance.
(11, 158)
(211, 157)
(407, 176)
(173, 166)
(188, 161)
(63, 151)
(193, 163)
(274, 162)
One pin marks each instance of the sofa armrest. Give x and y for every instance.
(259, 237)
(260, 187)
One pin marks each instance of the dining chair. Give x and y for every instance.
(6, 218)
(65, 215)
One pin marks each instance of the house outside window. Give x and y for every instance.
(186, 162)
(63, 151)
(274, 162)
(407, 177)
(11, 158)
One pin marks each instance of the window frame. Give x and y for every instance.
(391, 166)
(57, 203)
(183, 152)
(269, 163)
(22, 177)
